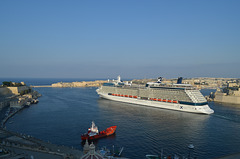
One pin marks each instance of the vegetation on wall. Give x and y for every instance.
(11, 84)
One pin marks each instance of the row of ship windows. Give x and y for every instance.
(145, 98)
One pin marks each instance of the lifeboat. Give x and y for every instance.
(126, 96)
(154, 99)
(150, 99)
(164, 100)
(134, 96)
(159, 100)
(169, 101)
(130, 96)
(118, 94)
(121, 95)
(174, 101)
(93, 133)
(113, 94)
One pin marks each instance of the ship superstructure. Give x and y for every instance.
(182, 97)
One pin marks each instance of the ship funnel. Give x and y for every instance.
(159, 80)
(179, 81)
(119, 79)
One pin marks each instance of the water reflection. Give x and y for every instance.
(131, 110)
(96, 142)
(155, 128)
(227, 111)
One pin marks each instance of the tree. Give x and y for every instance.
(7, 84)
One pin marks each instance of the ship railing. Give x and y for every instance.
(178, 86)
(134, 86)
(167, 86)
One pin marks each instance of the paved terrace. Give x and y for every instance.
(27, 146)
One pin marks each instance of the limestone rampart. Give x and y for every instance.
(17, 90)
(79, 84)
(5, 91)
(12, 90)
(227, 99)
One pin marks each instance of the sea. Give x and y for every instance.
(63, 114)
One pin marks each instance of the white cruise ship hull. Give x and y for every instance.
(203, 109)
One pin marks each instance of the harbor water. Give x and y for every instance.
(63, 114)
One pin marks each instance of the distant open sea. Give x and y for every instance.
(45, 81)
(63, 114)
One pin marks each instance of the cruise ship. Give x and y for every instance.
(179, 97)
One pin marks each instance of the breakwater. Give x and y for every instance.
(41, 86)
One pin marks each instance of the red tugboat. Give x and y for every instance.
(93, 133)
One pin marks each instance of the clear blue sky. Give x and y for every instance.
(131, 38)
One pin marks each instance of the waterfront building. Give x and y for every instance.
(3, 104)
(229, 94)
(91, 154)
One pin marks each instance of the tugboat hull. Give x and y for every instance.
(109, 131)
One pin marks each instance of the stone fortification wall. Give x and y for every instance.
(60, 84)
(12, 90)
(79, 84)
(221, 97)
(236, 92)
(88, 84)
(5, 91)
(17, 90)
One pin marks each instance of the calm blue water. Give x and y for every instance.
(63, 114)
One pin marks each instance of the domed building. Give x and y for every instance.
(90, 152)
(86, 147)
